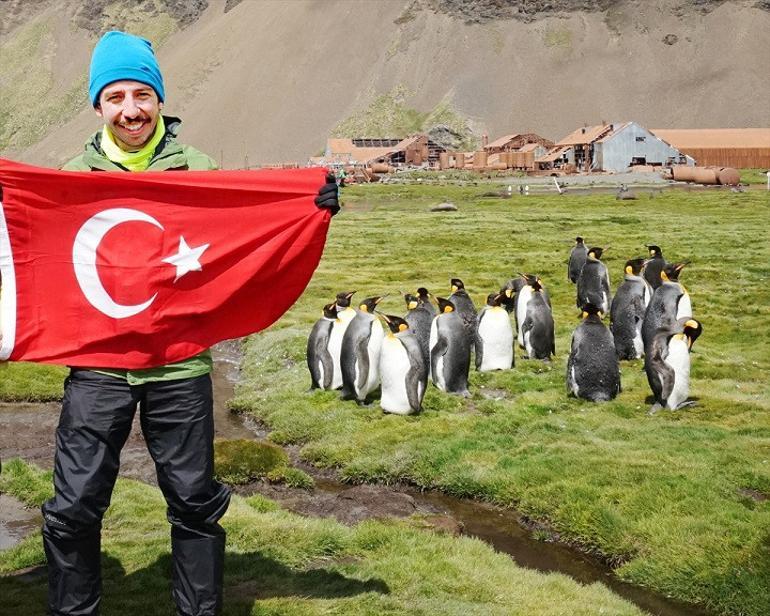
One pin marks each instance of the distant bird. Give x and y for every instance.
(669, 303)
(403, 369)
(450, 351)
(465, 307)
(654, 266)
(537, 330)
(593, 372)
(627, 311)
(593, 284)
(624, 194)
(494, 338)
(668, 364)
(360, 357)
(319, 360)
(419, 316)
(577, 258)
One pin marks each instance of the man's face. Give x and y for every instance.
(130, 109)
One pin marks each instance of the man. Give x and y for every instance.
(175, 401)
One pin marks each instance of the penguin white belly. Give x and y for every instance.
(638, 342)
(335, 349)
(684, 307)
(605, 303)
(431, 343)
(496, 334)
(394, 366)
(373, 349)
(346, 316)
(321, 374)
(521, 310)
(679, 359)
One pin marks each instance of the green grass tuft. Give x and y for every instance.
(239, 461)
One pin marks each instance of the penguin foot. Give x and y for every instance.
(654, 409)
(686, 403)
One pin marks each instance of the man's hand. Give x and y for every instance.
(328, 195)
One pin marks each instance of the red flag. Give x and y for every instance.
(135, 270)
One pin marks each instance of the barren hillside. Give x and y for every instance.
(268, 80)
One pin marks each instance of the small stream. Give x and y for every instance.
(503, 529)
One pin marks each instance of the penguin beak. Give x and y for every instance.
(351, 294)
(681, 266)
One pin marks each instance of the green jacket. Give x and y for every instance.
(169, 155)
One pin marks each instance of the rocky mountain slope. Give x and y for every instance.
(260, 81)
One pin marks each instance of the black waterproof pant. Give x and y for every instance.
(178, 425)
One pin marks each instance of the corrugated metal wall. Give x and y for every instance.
(632, 141)
(739, 158)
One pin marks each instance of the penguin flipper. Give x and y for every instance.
(479, 348)
(437, 352)
(362, 361)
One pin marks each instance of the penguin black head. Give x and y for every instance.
(330, 310)
(494, 299)
(634, 266)
(595, 252)
(655, 251)
(692, 329)
(590, 310)
(672, 270)
(457, 284)
(444, 305)
(423, 294)
(578, 240)
(343, 298)
(412, 301)
(396, 324)
(370, 303)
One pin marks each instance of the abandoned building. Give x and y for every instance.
(740, 148)
(516, 142)
(413, 150)
(611, 147)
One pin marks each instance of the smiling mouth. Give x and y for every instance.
(134, 128)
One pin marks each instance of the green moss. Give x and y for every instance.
(240, 461)
(292, 477)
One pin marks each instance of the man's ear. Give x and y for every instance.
(160, 104)
(98, 110)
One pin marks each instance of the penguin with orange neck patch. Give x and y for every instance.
(403, 369)
(450, 350)
(668, 363)
(577, 258)
(419, 316)
(494, 337)
(654, 266)
(360, 353)
(627, 311)
(593, 372)
(537, 330)
(669, 303)
(464, 307)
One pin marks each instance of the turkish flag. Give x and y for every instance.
(136, 270)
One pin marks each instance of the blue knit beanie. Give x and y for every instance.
(118, 56)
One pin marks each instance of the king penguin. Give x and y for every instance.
(494, 337)
(537, 331)
(450, 351)
(627, 311)
(669, 303)
(319, 360)
(403, 369)
(593, 372)
(668, 368)
(524, 292)
(654, 266)
(577, 258)
(345, 315)
(593, 284)
(465, 308)
(419, 316)
(360, 356)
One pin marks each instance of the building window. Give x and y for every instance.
(642, 138)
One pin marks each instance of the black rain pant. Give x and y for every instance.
(178, 425)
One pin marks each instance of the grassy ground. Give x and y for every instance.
(678, 501)
(281, 563)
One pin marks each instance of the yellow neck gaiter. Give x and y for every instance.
(133, 161)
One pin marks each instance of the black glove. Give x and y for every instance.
(328, 195)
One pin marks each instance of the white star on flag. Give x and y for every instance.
(186, 260)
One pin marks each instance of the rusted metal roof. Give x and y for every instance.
(587, 134)
(501, 141)
(557, 152)
(714, 137)
(529, 147)
(615, 129)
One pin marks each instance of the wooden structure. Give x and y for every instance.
(740, 148)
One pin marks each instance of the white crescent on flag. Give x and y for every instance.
(84, 249)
